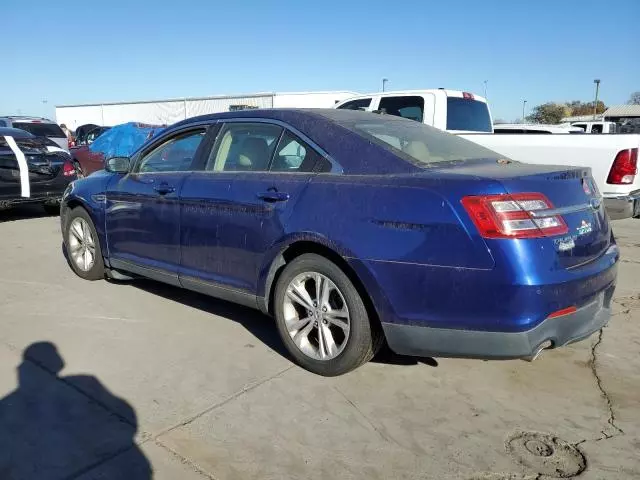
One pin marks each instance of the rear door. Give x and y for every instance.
(235, 210)
(143, 209)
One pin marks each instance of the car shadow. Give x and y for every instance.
(259, 325)
(24, 212)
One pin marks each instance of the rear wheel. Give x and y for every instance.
(82, 245)
(321, 317)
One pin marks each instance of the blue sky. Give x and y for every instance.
(68, 52)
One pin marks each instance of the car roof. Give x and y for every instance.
(403, 93)
(15, 132)
(27, 119)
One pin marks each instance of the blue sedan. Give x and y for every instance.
(352, 229)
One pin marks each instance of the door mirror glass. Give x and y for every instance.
(118, 165)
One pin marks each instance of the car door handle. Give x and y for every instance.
(272, 196)
(164, 189)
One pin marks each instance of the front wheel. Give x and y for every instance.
(321, 317)
(82, 245)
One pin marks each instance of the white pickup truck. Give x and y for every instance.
(612, 158)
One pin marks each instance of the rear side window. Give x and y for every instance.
(41, 129)
(596, 128)
(293, 155)
(467, 114)
(405, 107)
(244, 147)
(360, 104)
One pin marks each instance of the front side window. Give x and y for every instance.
(244, 147)
(405, 107)
(360, 104)
(293, 155)
(174, 155)
(596, 128)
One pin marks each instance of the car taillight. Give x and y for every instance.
(624, 168)
(510, 216)
(68, 170)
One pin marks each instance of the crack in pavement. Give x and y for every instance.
(184, 460)
(612, 417)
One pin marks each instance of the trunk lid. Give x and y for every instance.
(573, 194)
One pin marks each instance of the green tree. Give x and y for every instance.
(548, 113)
(634, 99)
(577, 107)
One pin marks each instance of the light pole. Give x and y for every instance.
(524, 104)
(384, 82)
(595, 104)
(485, 89)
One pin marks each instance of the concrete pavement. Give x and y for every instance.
(162, 383)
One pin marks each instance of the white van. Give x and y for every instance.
(450, 110)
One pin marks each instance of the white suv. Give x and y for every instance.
(38, 126)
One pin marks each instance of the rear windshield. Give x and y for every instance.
(41, 129)
(415, 142)
(467, 114)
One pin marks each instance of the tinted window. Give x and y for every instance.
(3, 123)
(507, 130)
(293, 155)
(416, 142)
(467, 114)
(41, 129)
(243, 147)
(175, 155)
(406, 107)
(361, 104)
(596, 128)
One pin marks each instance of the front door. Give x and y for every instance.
(239, 206)
(143, 209)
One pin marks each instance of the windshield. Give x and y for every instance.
(416, 142)
(468, 115)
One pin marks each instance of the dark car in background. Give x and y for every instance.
(38, 126)
(120, 140)
(49, 170)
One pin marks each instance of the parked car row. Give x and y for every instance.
(353, 229)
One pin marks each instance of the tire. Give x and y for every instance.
(51, 209)
(358, 346)
(77, 239)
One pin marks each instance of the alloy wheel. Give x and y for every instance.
(82, 247)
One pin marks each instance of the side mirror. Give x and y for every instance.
(118, 165)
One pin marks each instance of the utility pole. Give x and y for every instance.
(384, 82)
(485, 89)
(524, 104)
(595, 104)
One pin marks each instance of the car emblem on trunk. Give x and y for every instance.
(584, 228)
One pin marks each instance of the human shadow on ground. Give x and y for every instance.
(259, 325)
(50, 428)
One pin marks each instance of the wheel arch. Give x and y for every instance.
(361, 278)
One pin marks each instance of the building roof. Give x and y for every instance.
(623, 111)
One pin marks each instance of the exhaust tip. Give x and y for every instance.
(543, 346)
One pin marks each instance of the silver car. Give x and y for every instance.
(38, 126)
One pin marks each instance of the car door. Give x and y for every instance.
(238, 207)
(143, 210)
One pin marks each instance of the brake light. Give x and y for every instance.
(563, 312)
(624, 168)
(512, 216)
(468, 96)
(68, 170)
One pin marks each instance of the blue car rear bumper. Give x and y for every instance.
(550, 333)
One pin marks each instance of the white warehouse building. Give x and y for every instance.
(166, 112)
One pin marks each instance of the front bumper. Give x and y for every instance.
(624, 206)
(442, 342)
